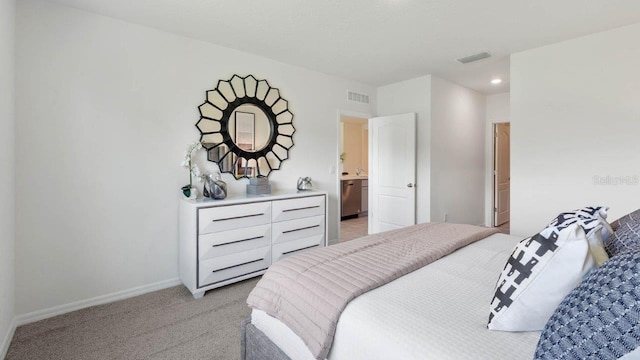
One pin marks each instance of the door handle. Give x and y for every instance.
(409, 185)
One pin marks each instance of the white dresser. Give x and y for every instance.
(224, 241)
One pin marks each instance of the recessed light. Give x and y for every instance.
(496, 81)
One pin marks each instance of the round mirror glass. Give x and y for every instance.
(250, 128)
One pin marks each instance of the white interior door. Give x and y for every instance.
(392, 172)
(502, 173)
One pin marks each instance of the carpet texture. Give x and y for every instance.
(166, 324)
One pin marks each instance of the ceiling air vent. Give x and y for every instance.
(361, 98)
(472, 58)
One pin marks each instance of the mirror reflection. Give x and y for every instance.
(250, 128)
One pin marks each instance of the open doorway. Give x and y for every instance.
(353, 179)
(501, 176)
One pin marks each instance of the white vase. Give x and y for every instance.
(194, 193)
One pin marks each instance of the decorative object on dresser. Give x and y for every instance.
(229, 240)
(246, 127)
(258, 186)
(214, 187)
(304, 183)
(189, 190)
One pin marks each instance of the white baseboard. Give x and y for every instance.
(4, 346)
(98, 300)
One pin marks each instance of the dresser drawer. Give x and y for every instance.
(297, 229)
(233, 241)
(234, 265)
(285, 249)
(223, 218)
(297, 208)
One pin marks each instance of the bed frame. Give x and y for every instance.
(255, 345)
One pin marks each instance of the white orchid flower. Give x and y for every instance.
(195, 170)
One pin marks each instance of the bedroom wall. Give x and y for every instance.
(575, 119)
(7, 173)
(414, 96)
(457, 153)
(105, 110)
(498, 110)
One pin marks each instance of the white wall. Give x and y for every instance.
(498, 111)
(414, 96)
(104, 111)
(7, 172)
(575, 114)
(457, 153)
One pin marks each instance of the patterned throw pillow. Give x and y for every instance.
(600, 318)
(625, 238)
(541, 271)
(585, 217)
(597, 229)
(633, 217)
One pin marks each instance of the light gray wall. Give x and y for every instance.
(457, 153)
(575, 115)
(450, 146)
(497, 108)
(414, 96)
(105, 110)
(7, 172)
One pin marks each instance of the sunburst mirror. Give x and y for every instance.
(246, 127)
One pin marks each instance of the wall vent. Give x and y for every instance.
(472, 58)
(357, 97)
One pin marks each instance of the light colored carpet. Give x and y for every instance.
(166, 324)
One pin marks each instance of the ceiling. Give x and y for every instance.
(379, 41)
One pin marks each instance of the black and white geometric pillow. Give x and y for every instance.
(585, 217)
(540, 272)
(600, 318)
(597, 229)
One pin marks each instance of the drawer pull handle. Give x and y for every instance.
(237, 217)
(231, 267)
(304, 228)
(238, 241)
(302, 208)
(231, 278)
(304, 248)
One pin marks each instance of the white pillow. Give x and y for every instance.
(598, 213)
(540, 272)
(592, 220)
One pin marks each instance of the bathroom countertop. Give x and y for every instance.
(354, 177)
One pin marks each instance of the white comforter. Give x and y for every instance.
(437, 312)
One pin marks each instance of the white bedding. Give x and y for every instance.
(437, 312)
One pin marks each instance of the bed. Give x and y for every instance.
(453, 291)
(438, 311)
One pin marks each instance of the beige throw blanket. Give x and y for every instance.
(308, 291)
